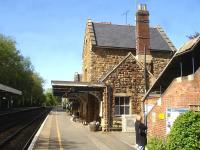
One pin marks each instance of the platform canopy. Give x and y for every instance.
(10, 90)
(184, 62)
(60, 88)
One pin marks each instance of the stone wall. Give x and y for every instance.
(159, 61)
(89, 41)
(127, 80)
(100, 60)
(86, 60)
(104, 60)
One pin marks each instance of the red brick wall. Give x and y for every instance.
(142, 32)
(179, 94)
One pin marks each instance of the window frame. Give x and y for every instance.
(122, 103)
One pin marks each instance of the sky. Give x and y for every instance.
(51, 32)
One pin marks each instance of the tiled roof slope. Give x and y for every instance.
(187, 45)
(123, 36)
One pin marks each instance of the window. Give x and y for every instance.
(122, 105)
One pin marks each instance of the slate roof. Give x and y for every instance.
(123, 36)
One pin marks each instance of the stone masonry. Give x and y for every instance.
(120, 70)
(127, 79)
(159, 61)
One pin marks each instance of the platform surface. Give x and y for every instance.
(60, 133)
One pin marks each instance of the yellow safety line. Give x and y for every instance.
(58, 133)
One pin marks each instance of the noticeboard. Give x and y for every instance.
(171, 115)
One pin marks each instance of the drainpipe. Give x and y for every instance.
(109, 107)
(181, 67)
(193, 65)
(160, 90)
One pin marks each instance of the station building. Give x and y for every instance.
(176, 90)
(120, 62)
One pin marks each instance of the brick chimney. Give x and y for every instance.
(142, 34)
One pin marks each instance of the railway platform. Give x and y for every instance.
(59, 132)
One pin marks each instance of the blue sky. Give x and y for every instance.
(51, 32)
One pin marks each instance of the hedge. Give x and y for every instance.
(185, 132)
(156, 144)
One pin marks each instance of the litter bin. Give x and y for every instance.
(93, 126)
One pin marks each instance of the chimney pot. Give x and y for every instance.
(142, 7)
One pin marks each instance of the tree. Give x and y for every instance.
(18, 72)
(51, 100)
(9, 61)
(37, 96)
(185, 133)
(195, 35)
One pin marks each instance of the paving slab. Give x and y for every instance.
(59, 132)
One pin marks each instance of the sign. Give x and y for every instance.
(171, 115)
(161, 116)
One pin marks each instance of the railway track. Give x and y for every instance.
(19, 128)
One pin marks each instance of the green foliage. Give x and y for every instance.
(185, 133)
(51, 100)
(37, 90)
(193, 36)
(18, 72)
(156, 144)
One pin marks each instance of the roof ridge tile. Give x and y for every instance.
(165, 37)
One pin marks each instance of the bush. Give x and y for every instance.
(156, 144)
(185, 132)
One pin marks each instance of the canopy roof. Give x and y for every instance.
(61, 88)
(185, 62)
(10, 90)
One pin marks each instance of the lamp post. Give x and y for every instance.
(145, 86)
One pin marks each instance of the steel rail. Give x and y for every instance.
(35, 131)
(15, 134)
